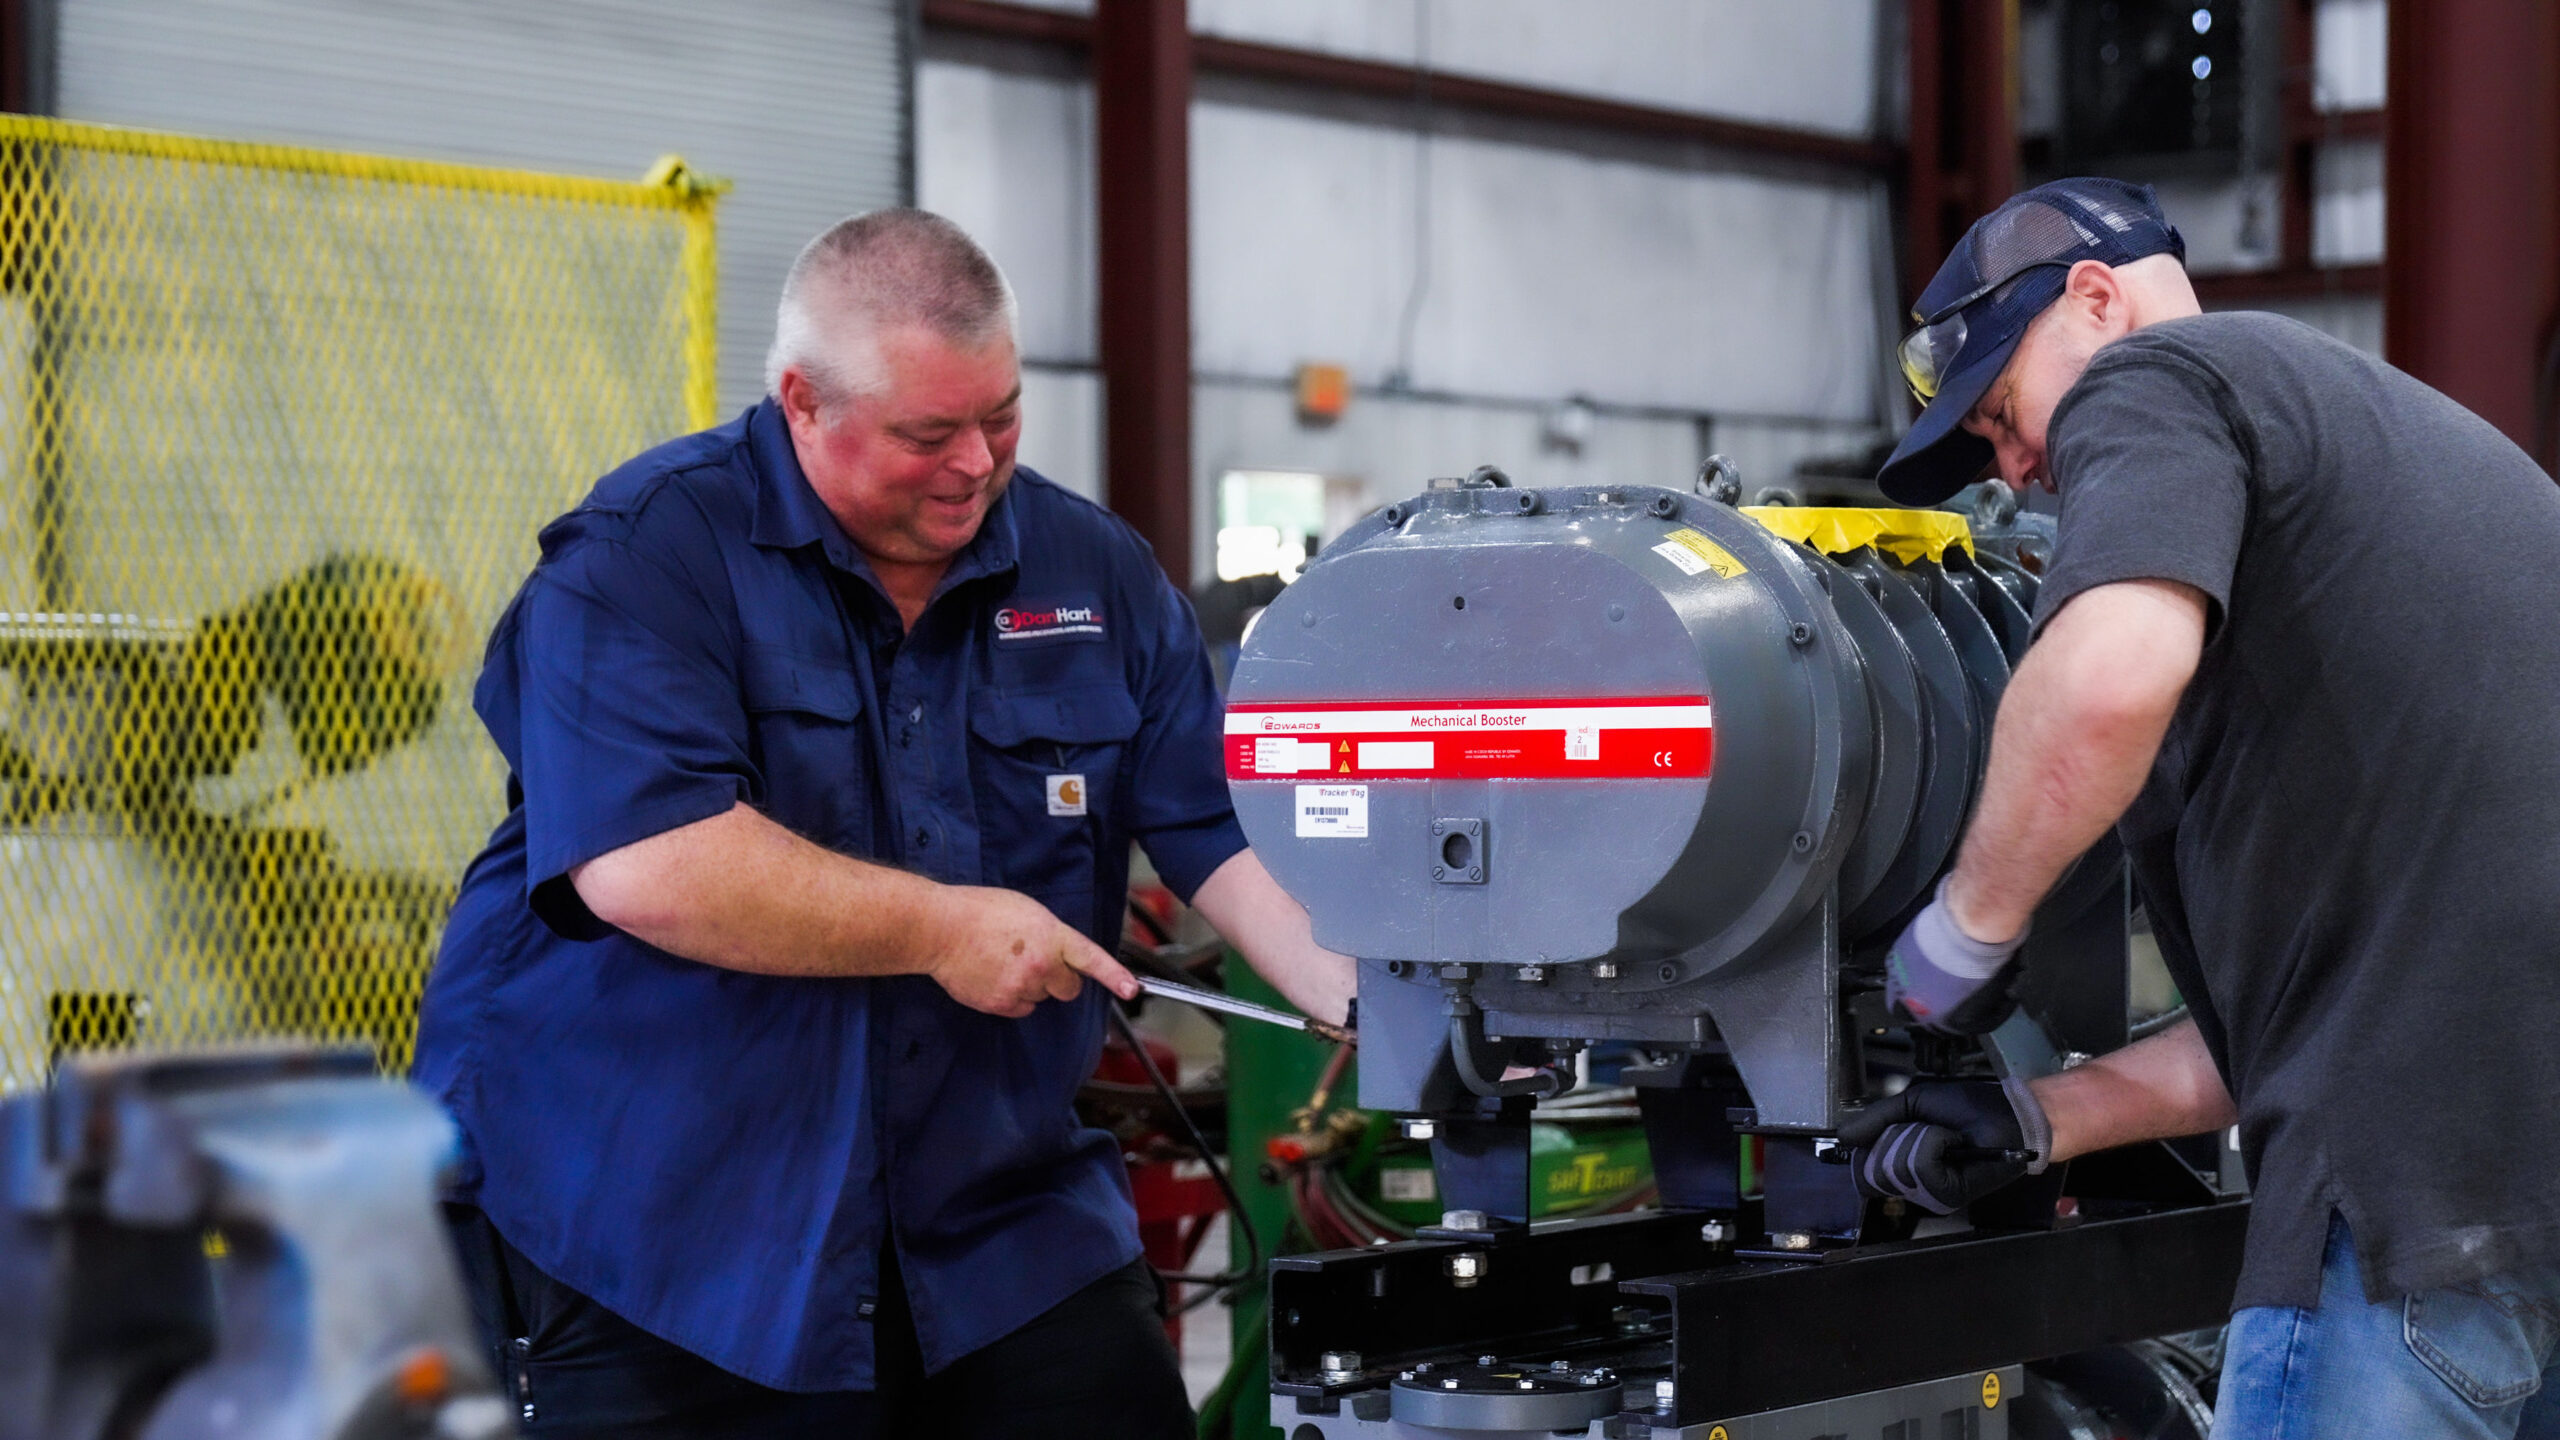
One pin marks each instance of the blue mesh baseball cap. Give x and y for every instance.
(2003, 273)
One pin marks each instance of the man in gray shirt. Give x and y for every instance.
(2299, 646)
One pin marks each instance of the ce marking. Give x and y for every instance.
(1661, 759)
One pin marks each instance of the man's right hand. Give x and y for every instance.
(1943, 1144)
(1002, 952)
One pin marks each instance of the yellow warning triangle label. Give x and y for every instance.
(1343, 747)
(1346, 768)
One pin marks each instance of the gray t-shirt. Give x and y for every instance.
(2350, 844)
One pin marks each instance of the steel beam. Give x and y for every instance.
(1759, 1336)
(26, 56)
(1651, 1296)
(2471, 253)
(17, 64)
(1963, 155)
(1142, 163)
(2298, 194)
(2249, 287)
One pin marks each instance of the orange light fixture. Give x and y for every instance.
(1324, 392)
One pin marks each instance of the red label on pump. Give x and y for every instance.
(1655, 738)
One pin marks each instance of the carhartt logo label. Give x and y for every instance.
(1028, 622)
(1066, 794)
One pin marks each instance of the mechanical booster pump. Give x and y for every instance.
(1619, 763)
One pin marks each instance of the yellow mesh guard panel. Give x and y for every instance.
(1906, 535)
(277, 430)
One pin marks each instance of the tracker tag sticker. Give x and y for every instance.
(1333, 812)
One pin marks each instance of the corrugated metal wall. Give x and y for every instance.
(1808, 63)
(804, 103)
(1469, 275)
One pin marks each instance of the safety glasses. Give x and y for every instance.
(1929, 352)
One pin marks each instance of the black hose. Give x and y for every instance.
(1226, 1187)
(2166, 1019)
(1466, 1033)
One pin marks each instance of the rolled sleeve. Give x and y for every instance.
(1181, 812)
(630, 721)
(2152, 459)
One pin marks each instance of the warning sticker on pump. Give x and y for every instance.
(1666, 737)
(1333, 812)
(1695, 554)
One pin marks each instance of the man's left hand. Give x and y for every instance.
(1940, 978)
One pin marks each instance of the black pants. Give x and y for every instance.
(1096, 1365)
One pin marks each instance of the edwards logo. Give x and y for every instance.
(1025, 622)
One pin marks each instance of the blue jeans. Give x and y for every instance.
(2474, 1360)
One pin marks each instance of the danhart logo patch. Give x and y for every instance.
(1046, 622)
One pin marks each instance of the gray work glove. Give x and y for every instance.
(1939, 978)
(1943, 1144)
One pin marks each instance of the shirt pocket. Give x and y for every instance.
(804, 718)
(1044, 765)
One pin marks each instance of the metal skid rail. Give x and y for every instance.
(1741, 1336)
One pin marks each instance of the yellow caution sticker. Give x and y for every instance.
(1991, 1391)
(1717, 1433)
(1695, 554)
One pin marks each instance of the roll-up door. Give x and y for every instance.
(804, 103)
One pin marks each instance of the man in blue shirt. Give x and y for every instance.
(762, 1013)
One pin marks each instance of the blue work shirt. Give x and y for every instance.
(719, 1156)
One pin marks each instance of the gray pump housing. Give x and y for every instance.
(1728, 912)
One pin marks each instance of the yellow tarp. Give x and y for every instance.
(1906, 535)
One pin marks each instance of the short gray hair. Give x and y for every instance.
(874, 272)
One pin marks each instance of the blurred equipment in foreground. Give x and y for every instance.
(122, 721)
(236, 1243)
(278, 427)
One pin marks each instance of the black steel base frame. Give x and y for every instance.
(1666, 1297)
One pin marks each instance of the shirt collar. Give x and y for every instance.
(789, 513)
(995, 550)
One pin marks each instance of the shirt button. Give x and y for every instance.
(906, 737)
(924, 838)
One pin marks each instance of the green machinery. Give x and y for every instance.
(1317, 1177)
